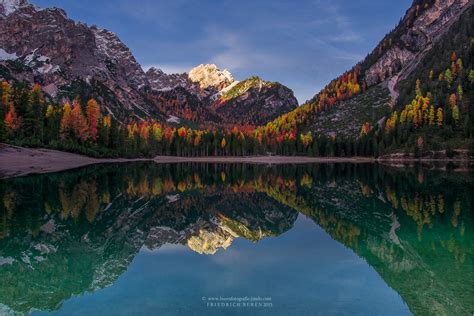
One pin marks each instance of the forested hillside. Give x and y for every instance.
(435, 109)
(432, 45)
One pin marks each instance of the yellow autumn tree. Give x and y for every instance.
(432, 116)
(456, 114)
(65, 126)
(439, 117)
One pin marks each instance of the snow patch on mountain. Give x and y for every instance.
(173, 119)
(6, 56)
(7, 7)
(48, 68)
(40, 63)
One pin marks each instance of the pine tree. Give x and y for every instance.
(33, 119)
(471, 76)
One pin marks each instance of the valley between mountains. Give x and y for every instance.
(74, 87)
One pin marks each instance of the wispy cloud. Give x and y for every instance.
(336, 20)
(236, 51)
(348, 36)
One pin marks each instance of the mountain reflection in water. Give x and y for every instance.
(65, 234)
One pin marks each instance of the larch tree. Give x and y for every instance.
(460, 66)
(51, 124)
(223, 143)
(12, 123)
(432, 116)
(455, 113)
(418, 88)
(460, 93)
(65, 125)
(453, 100)
(439, 117)
(93, 112)
(448, 76)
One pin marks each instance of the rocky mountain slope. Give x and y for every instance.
(254, 101)
(339, 120)
(46, 47)
(423, 25)
(71, 59)
(401, 53)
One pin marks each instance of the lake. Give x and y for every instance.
(237, 239)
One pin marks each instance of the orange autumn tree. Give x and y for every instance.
(79, 122)
(12, 123)
(365, 129)
(453, 100)
(93, 112)
(144, 130)
(107, 121)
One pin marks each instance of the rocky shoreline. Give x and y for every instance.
(19, 161)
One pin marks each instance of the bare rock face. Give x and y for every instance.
(391, 63)
(255, 101)
(162, 81)
(203, 80)
(419, 32)
(211, 76)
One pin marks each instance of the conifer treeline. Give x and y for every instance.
(27, 119)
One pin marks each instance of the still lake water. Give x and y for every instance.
(181, 239)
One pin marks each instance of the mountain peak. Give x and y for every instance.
(209, 75)
(7, 7)
(155, 70)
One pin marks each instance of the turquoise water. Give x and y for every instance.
(141, 239)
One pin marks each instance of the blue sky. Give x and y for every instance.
(300, 43)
